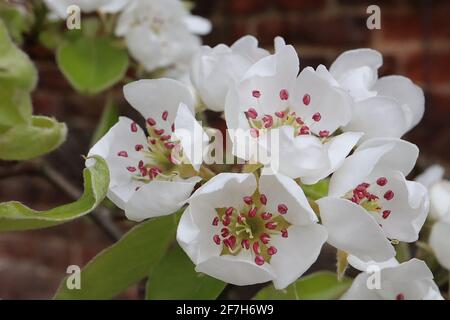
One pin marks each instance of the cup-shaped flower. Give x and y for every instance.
(213, 70)
(375, 98)
(370, 202)
(160, 33)
(243, 231)
(153, 175)
(302, 111)
(411, 280)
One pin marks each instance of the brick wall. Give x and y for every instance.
(414, 39)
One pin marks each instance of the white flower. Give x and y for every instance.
(411, 280)
(160, 33)
(154, 175)
(305, 109)
(370, 202)
(213, 70)
(59, 7)
(384, 107)
(439, 190)
(244, 232)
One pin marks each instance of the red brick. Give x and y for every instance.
(268, 29)
(302, 5)
(247, 6)
(401, 27)
(434, 68)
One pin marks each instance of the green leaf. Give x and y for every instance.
(322, 285)
(316, 191)
(16, 19)
(16, 67)
(175, 278)
(15, 106)
(23, 142)
(109, 117)
(92, 64)
(124, 263)
(15, 216)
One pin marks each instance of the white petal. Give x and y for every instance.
(353, 59)
(359, 289)
(405, 91)
(370, 266)
(114, 6)
(378, 117)
(358, 82)
(351, 229)
(440, 242)
(239, 270)
(280, 189)
(198, 25)
(333, 104)
(187, 234)
(402, 157)
(440, 199)
(296, 253)
(152, 97)
(431, 175)
(159, 198)
(247, 46)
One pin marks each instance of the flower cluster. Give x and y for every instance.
(341, 127)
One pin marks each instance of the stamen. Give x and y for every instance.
(382, 181)
(226, 221)
(271, 225)
(304, 130)
(141, 164)
(134, 127)
(266, 216)
(151, 122)
(216, 239)
(259, 260)
(245, 244)
(254, 132)
(265, 238)
(256, 248)
(172, 127)
(159, 131)
(165, 137)
(389, 195)
(268, 121)
(284, 94)
(324, 133)
(138, 147)
(400, 296)
(256, 93)
(251, 113)
(284, 233)
(225, 232)
(229, 211)
(231, 242)
(263, 199)
(317, 116)
(248, 200)
(299, 121)
(215, 221)
(169, 145)
(122, 154)
(282, 208)
(252, 212)
(306, 99)
(165, 114)
(386, 214)
(131, 169)
(272, 250)
(280, 114)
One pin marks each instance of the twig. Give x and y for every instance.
(101, 216)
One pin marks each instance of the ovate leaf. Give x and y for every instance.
(316, 191)
(124, 263)
(23, 142)
(92, 64)
(175, 278)
(15, 106)
(15, 216)
(322, 285)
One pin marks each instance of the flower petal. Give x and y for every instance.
(354, 231)
(431, 175)
(370, 266)
(247, 46)
(359, 289)
(353, 59)
(187, 235)
(198, 25)
(440, 242)
(440, 199)
(296, 253)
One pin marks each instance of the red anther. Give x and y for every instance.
(169, 145)
(266, 215)
(137, 188)
(229, 211)
(226, 220)
(159, 131)
(317, 116)
(215, 221)
(138, 147)
(280, 114)
(172, 127)
(143, 171)
(216, 239)
(151, 121)
(140, 164)
(256, 248)
(263, 199)
(134, 127)
(271, 225)
(282, 208)
(225, 232)
(256, 93)
(122, 154)
(284, 94)
(299, 121)
(240, 218)
(389, 195)
(165, 137)
(362, 187)
(304, 130)
(354, 199)
(324, 133)
(284, 233)
(248, 200)
(265, 238)
(400, 296)
(245, 244)
(272, 250)
(153, 141)
(381, 181)
(154, 172)
(252, 212)
(259, 260)
(306, 99)
(254, 132)
(232, 242)
(268, 121)
(164, 115)
(251, 113)
(131, 169)
(386, 214)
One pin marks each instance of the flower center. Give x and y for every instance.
(250, 227)
(302, 126)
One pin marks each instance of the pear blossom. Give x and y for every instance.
(304, 109)
(58, 8)
(161, 33)
(371, 203)
(383, 107)
(153, 175)
(439, 191)
(213, 70)
(411, 280)
(243, 231)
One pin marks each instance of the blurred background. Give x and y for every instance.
(414, 39)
